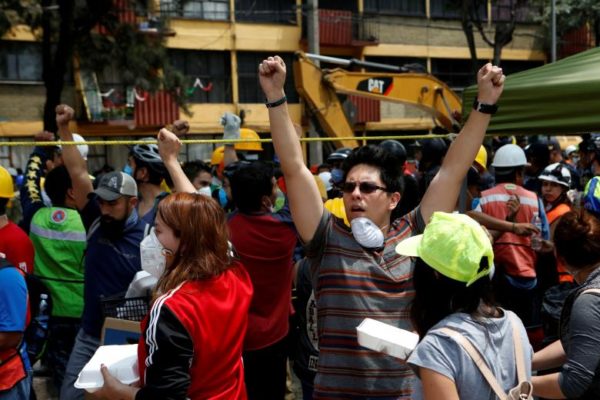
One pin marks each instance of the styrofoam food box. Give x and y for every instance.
(121, 361)
(388, 339)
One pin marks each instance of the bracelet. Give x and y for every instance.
(513, 228)
(484, 108)
(276, 103)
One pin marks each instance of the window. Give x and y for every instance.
(208, 73)
(250, 91)
(395, 7)
(501, 11)
(451, 9)
(273, 11)
(20, 61)
(200, 9)
(455, 73)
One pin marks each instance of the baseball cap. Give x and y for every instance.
(453, 245)
(114, 185)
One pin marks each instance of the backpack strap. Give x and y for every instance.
(477, 359)
(519, 353)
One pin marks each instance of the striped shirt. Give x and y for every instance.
(352, 283)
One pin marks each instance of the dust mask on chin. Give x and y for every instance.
(152, 255)
(366, 233)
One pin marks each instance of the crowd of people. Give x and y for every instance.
(498, 277)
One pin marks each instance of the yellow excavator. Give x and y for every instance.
(319, 88)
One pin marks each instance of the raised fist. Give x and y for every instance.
(64, 114)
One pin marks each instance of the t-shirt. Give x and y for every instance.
(352, 283)
(493, 337)
(17, 247)
(265, 244)
(13, 306)
(110, 265)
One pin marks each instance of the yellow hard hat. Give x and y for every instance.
(6, 184)
(217, 155)
(336, 207)
(481, 157)
(246, 133)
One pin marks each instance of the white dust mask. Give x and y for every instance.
(366, 233)
(152, 255)
(205, 191)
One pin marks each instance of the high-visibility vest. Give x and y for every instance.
(512, 252)
(59, 239)
(553, 216)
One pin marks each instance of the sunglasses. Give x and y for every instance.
(364, 187)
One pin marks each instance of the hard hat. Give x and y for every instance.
(148, 153)
(326, 178)
(246, 133)
(217, 155)
(395, 148)
(556, 173)
(83, 148)
(481, 157)
(570, 149)
(6, 184)
(508, 156)
(336, 207)
(339, 154)
(591, 195)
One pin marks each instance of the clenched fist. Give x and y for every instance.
(64, 114)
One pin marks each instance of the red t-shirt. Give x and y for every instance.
(265, 244)
(17, 247)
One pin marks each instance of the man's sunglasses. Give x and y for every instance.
(364, 187)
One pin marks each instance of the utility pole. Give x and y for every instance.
(315, 153)
(553, 30)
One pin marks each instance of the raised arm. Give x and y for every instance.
(305, 201)
(443, 190)
(168, 147)
(231, 131)
(76, 165)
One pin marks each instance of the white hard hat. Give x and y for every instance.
(83, 148)
(326, 178)
(570, 149)
(508, 156)
(556, 173)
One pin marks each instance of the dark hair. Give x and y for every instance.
(193, 168)
(437, 296)
(577, 239)
(389, 169)
(200, 224)
(507, 175)
(57, 183)
(249, 184)
(3, 203)
(155, 174)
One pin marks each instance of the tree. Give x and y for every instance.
(69, 28)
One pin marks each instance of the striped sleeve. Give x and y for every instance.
(170, 351)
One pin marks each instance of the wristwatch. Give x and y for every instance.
(484, 108)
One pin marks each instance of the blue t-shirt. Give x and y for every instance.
(109, 264)
(493, 337)
(13, 305)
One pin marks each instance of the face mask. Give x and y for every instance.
(112, 228)
(128, 170)
(152, 255)
(205, 191)
(366, 233)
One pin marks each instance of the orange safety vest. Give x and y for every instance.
(512, 252)
(12, 368)
(553, 216)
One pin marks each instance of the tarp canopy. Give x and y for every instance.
(558, 98)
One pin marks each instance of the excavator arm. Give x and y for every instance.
(319, 89)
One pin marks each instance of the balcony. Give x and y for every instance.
(341, 28)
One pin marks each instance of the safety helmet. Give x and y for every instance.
(481, 157)
(395, 148)
(217, 155)
(83, 148)
(570, 149)
(509, 156)
(6, 184)
(591, 195)
(148, 153)
(556, 173)
(339, 155)
(246, 133)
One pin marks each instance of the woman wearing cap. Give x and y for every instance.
(452, 281)
(191, 344)
(577, 242)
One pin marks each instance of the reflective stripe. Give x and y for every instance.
(52, 234)
(505, 197)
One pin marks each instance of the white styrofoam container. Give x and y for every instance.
(121, 361)
(388, 339)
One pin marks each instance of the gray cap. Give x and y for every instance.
(114, 185)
